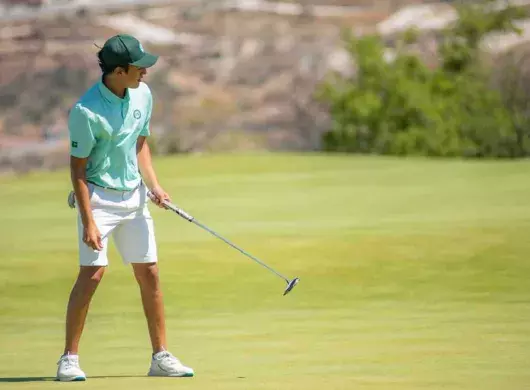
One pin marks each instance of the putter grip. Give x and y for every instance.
(172, 207)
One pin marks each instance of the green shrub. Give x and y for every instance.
(403, 107)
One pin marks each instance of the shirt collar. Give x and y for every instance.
(110, 96)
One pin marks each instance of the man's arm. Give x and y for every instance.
(91, 234)
(83, 141)
(148, 172)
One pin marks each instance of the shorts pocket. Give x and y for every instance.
(143, 195)
(94, 195)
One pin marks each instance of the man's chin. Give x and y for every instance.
(135, 85)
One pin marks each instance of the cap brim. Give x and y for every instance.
(146, 61)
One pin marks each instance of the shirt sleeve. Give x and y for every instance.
(146, 130)
(82, 138)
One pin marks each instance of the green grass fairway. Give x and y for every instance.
(414, 274)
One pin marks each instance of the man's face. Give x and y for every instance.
(132, 78)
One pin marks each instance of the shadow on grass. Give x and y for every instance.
(28, 379)
(52, 378)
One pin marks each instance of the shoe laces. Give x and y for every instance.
(69, 361)
(165, 355)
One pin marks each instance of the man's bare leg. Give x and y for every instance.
(147, 276)
(80, 297)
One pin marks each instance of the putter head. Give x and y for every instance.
(290, 285)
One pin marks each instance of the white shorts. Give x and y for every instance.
(125, 216)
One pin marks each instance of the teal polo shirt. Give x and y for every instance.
(105, 128)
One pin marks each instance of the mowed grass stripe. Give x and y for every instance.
(413, 276)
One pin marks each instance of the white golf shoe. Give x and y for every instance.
(165, 364)
(68, 370)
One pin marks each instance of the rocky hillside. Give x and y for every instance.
(229, 78)
(232, 75)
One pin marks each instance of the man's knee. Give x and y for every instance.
(91, 275)
(146, 274)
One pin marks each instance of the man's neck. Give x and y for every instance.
(115, 89)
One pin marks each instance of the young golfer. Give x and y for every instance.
(111, 172)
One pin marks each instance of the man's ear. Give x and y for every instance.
(119, 70)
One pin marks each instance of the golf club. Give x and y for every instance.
(169, 206)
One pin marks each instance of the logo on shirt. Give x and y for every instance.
(137, 114)
(74, 144)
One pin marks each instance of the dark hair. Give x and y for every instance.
(107, 69)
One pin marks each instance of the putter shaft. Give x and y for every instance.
(189, 218)
(238, 248)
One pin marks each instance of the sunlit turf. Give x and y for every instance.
(414, 275)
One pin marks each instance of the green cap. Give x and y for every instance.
(125, 49)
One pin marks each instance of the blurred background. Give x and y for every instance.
(254, 74)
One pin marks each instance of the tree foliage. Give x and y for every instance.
(404, 107)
